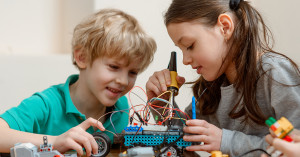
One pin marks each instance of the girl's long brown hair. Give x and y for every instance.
(250, 39)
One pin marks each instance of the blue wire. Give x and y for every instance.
(194, 102)
(194, 108)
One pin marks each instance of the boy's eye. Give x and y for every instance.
(113, 66)
(133, 72)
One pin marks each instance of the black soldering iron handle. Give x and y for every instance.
(173, 72)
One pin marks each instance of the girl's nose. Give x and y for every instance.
(187, 59)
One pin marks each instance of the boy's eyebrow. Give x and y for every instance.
(137, 69)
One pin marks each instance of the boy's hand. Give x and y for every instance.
(76, 138)
(159, 81)
(202, 132)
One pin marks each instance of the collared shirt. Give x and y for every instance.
(52, 112)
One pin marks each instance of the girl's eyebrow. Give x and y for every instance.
(179, 41)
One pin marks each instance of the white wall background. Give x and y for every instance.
(283, 19)
(43, 28)
(35, 33)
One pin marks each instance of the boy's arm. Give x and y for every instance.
(74, 139)
(9, 137)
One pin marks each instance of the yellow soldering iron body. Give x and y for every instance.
(173, 72)
(174, 83)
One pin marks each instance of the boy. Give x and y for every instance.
(110, 49)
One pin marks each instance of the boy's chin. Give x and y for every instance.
(109, 104)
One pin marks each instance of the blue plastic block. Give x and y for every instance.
(153, 140)
(133, 128)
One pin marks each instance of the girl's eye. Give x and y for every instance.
(190, 47)
(113, 66)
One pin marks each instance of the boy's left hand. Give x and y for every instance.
(202, 132)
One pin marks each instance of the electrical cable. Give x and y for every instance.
(171, 144)
(258, 149)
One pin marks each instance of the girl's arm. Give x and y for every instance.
(76, 138)
(229, 141)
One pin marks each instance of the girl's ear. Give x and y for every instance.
(227, 26)
(80, 58)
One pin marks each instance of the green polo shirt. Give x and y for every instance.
(52, 112)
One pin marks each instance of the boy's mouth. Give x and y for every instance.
(114, 90)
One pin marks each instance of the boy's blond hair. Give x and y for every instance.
(113, 33)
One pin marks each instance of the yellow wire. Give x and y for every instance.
(164, 93)
(169, 99)
(179, 118)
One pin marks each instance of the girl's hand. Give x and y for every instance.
(159, 81)
(76, 138)
(287, 148)
(202, 132)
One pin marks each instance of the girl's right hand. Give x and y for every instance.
(159, 81)
(76, 138)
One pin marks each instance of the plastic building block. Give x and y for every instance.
(218, 154)
(133, 128)
(30, 150)
(138, 152)
(281, 128)
(155, 135)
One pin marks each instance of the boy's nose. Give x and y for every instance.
(122, 80)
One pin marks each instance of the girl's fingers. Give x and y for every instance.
(204, 147)
(153, 88)
(269, 139)
(295, 135)
(264, 155)
(195, 130)
(197, 122)
(296, 138)
(296, 132)
(196, 138)
(163, 78)
(180, 80)
(283, 145)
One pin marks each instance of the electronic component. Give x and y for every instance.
(138, 152)
(30, 150)
(218, 154)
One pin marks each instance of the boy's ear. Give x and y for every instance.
(80, 58)
(227, 25)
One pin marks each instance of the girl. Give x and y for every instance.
(242, 81)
